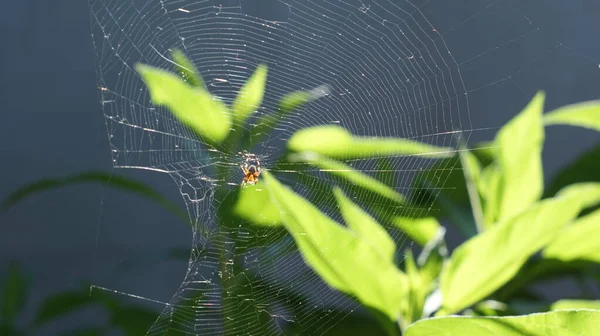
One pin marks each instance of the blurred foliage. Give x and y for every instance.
(515, 234)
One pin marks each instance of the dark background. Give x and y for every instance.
(52, 125)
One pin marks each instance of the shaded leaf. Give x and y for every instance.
(251, 94)
(107, 179)
(490, 187)
(584, 169)
(576, 241)
(14, 294)
(365, 226)
(585, 114)
(484, 263)
(556, 323)
(575, 304)
(288, 103)
(133, 320)
(341, 144)
(519, 157)
(62, 304)
(186, 69)
(344, 260)
(197, 109)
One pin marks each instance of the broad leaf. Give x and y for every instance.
(575, 304)
(519, 156)
(13, 294)
(577, 241)
(355, 177)
(251, 94)
(341, 144)
(490, 188)
(585, 114)
(556, 323)
(365, 226)
(186, 69)
(344, 260)
(484, 263)
(254, 204)
(197, 109)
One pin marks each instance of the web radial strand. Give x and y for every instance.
(387, 72)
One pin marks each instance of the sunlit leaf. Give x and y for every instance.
(490, 188)
(585, 114)
(519, 156)
(197, 109)
(251, 94)
(341, 144)
(186, 69)
(254, 204)
(484, 263)
(13, 294)
(351, 175)
(575, 304)
(576, 242)
(343, 259)
(472, 172)
(106, 179)
(365, 226)
(420, 229)
(584, 169)
(556, 323)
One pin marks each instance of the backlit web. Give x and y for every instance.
(378, 68)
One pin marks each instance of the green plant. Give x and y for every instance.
(515, 234)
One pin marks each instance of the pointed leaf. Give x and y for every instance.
(576, 242)
(365, 226)
(344, 260)
(351, 175)
(251, 94)
(187, 69)
(585, 114)
(341, 144)
(519, 154)
(419, 229)
(556, 323)
(197, 109)
(484, 263)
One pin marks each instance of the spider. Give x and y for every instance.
(251, 173)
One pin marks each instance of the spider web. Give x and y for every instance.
(378, 68)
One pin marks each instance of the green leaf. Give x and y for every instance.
(14, 294)
(484, 263)
(89, 331)
(575, 304)
(576, 242)
(585, 114)
(519, 156)
(344, 260)
(107, 179)
(556, 323)
(197, 109)
(186, 69)
(341, 144)
(254, 204)
(490, 187)
(472, 173)
(354, 177)
(133, 320)
(584, 169)
(365, 226)
(251, 94)
(419, 229)
(288, 103)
